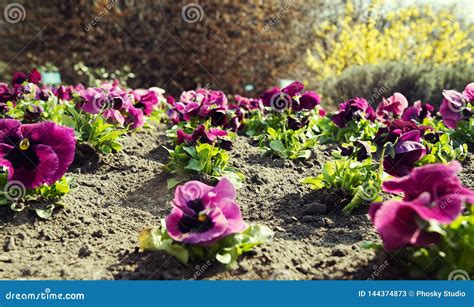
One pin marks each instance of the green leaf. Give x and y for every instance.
(45, 213)
(172, 182)
(315, 182)
(191, 151)
(277, 146)
(224, 258)
(195, 165)
(272, 132)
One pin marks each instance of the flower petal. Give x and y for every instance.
(45, 171)
(60, 139)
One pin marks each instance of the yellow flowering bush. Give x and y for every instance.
(418, 35)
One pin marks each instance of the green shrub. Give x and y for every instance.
(422, 82)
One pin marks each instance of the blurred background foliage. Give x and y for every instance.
(341, 48)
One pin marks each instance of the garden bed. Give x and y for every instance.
(95, 235)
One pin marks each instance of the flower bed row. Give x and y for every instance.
(408, 150)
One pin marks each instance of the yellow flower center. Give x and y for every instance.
(24, 144)
(202, 217)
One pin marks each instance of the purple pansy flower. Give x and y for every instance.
(418, 111)
(35, 154)
(35, 76)
(19, 77)
(309, 100)
(352, 109)
(63, 92)
(203, 103)
(392, 107)
(33, 113)
(145, 100)
(204, 214)
(248, 104)
(290, 97)
(431, 193)
(203, 135)
(93, 100)
(407, 150)
(469, 92)
(5, 94)
(134, 118)
(453, 108)
(396, 128)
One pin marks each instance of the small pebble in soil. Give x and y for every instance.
(85, 251)
(338, 252)
(280, 228)
(9, 244)
(6, 259)
(329, 223)
(98, 234)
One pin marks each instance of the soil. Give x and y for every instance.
(96, 235)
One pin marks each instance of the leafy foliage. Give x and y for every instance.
(43, 200)
(225, 251)
(204, 159)
(361, 129)
(361, 179)
(453, 253)
(94, 130)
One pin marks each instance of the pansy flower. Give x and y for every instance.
(354, 108)
(203, 135)
(145, 100)
(20, 77)
(419, 111)
(469, 92)
(93, 100)
(35, 154)
(204, 214)
(391, 108)
(454, 107)
(63, 92)
(430, 193)
(396, 128)
(407, 150)
(203, 103)
(5, 94)
(290, 97)
(134, 118)
(34, 76)
(296, 123)
(33, 113)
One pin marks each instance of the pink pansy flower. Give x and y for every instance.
(392, 107)
(35, 154)
(204, 214)
(431, 193)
